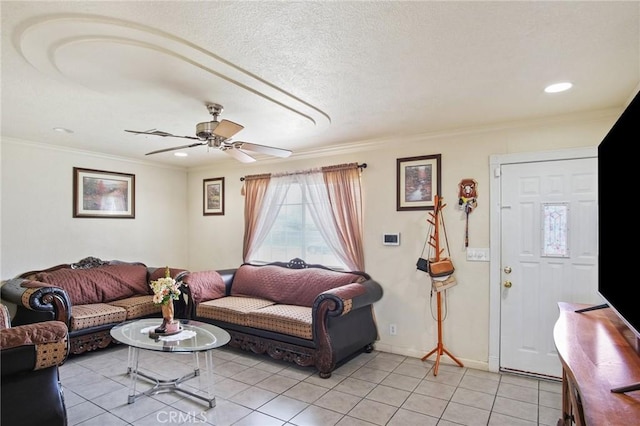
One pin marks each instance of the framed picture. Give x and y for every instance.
(418, 182)
(97, 193)
(213, 196)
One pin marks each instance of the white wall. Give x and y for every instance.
(38, 229)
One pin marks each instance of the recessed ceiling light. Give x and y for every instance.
(62, 130)
(558, 87)
(180, 154)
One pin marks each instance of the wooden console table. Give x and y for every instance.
(598, 353)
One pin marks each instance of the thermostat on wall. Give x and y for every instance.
(391, 239)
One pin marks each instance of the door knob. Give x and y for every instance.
(507, 269)
(507, 284)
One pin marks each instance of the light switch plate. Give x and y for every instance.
(478, 254)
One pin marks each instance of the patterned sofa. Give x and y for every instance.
(89, 297)
(307, 314)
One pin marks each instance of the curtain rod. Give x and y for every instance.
(360, 166)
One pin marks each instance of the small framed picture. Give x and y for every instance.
(213, 196)
(418, 182)
(97, 193)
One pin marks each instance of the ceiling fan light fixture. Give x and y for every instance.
(205, 129)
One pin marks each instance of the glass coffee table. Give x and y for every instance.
(194, 338)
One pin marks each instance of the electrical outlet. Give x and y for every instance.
(392, 329)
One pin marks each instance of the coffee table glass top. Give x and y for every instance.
(195, 336)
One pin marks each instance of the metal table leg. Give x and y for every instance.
(170, 385)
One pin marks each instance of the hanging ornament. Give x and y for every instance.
(467, 201)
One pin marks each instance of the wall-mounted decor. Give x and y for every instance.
(467, 201)
(97, 193)
(418, 182)
(213, 196)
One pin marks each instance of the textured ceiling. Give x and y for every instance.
(303, 76)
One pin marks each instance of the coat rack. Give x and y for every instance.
(434, 242)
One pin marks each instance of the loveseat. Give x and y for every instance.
(29, 359)
(89, 297)
(307, 314)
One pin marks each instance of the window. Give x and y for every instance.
(314, 215)
(295, 233)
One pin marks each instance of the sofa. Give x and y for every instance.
(29, 359)
(307, 314)
(89, 297)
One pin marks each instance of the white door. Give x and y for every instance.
(548, 254)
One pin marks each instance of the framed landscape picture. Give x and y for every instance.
(98, 193)
(418, 181)
(213, 196)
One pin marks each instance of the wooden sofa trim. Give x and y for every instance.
(276, 349)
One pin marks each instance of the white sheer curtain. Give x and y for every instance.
(322, 214)
(273, 199)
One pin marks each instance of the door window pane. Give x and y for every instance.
(555, 230)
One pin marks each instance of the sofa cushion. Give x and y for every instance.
(95, 314)
(288, 286)
(99, 285)
(205, 285)
(286, 319)
(231, 309)
(137, 306)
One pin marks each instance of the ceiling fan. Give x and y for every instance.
(217, 134)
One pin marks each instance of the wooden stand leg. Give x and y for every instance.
(439, 350)
(565, 418)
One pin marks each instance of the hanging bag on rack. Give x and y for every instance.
(423, 264)
(443, 283)
(440, 268)
(443, 266)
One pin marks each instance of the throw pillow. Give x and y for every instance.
(205, 285)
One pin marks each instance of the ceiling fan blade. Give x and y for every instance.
(227, 129)
(175, 148)
(262, 149)
(243, 157)
(159, 133)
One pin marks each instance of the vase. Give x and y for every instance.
(169, 324)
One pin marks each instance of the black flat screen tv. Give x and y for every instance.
(619, 219)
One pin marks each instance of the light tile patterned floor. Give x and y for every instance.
(372, 389)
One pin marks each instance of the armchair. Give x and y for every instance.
(29, 359)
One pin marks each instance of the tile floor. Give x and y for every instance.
(371, 389)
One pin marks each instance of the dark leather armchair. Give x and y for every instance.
(30, 354)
